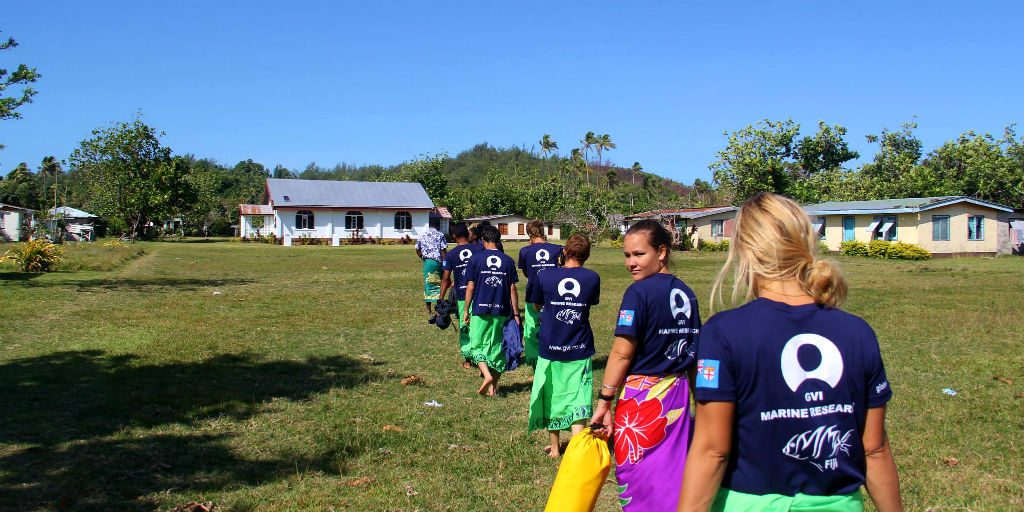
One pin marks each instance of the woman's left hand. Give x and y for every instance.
(603, 417)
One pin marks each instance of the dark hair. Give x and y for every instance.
(474, 229)
(535, 229)
(657, 236)
(490, 234)
(577, 247)
(459, 230)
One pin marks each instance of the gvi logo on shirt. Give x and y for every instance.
(493, 262)
(564, 287)
(830, 371)
(465, 254)
(675, 307)
(543, 256)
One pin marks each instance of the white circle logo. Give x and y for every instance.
(494, 261)
(684, 308)
(543, 255)
(829, 371)
(465, 254)
(569, 286)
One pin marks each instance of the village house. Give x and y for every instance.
(78, 225)
(337, 210)
(713, 224)
(15, 223)
(513, 227)
(944, 226)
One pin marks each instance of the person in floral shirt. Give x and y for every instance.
(431, 248)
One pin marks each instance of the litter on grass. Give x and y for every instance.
(433, 403)
(949, 391)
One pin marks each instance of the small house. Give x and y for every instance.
(513, 227)
(946, 225)
(15, 223)
(256, 221)
(336, 210)
(78, 225)
(711, 224)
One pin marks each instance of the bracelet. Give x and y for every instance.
(613, 388)
(606, 398)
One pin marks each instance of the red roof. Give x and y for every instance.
(256, 209)
(672, 211)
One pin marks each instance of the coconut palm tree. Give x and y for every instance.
(547, 146)
(637, 169)
(602, 143)
(588, 141)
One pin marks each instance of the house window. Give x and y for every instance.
(717, 228)
(883, 228)
(551, 229)
(304, 219)
(522, 229)
(403, 220)
(353, 220)
(976, 227)
(503, 228)
(819, 227)
(940, 228)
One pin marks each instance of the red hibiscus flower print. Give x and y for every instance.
(638, 427)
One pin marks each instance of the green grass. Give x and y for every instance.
(142, 387)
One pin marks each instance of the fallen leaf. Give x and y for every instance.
(1004, 380)
(323, 268)
(359, 482)
(950, 461)
(411, 380)
(393, 428)
(409, 491)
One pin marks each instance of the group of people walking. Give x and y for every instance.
(789, 391)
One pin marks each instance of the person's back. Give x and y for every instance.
(803, 378)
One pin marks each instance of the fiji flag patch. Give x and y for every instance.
(707, 373)
(625, 317)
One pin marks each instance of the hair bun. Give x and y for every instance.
(825, 282)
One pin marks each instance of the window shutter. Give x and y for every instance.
(522, 229)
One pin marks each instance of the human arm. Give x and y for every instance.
(881, 479)
(514, 296)
(470, 288)
(446, 281)
(708, 455)
(619, 360)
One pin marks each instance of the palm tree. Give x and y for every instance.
(50, 167)
(588, 141)
(637, 169)
(647, 184)
(603, 142)
(547, 146)
(612, 177)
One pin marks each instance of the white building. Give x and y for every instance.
(336, 210)
(78, 225)
(513, 227)
(13, 221)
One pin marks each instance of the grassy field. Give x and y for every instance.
(262, 377)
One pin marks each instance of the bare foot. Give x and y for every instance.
(553, 454)
(547, 449)
(493, 390)
(466, 365)
(486, 388)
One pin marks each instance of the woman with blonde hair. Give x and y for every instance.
(790, 390)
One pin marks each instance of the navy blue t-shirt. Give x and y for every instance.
(492, 273)
(566, 295)
(802, 378)
(456, 262)
(661, 313)
(535, 257)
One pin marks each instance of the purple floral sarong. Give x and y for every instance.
(652, 432)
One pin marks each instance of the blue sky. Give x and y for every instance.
(382, 82)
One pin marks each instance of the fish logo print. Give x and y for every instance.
(819, 445)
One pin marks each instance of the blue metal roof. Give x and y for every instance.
(69, 212)
(347, 194)
(903, 205)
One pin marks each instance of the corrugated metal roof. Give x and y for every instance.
(12, 207)
(256, 209)
(685, 213)
(442, 212)
(347, 194)
(489, 217)
(73, 213)
(902, 205)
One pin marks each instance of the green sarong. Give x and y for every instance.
(463, 331)
(732, 501)
(531, 326)
(485, 336)
(563, 393)
(431, 280)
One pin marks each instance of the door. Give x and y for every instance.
(848, 233)
(1017, 235)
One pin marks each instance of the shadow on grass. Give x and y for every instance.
(18, 276)
(66, 414)
(153, 284)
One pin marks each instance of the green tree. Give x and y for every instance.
(602, 143)
(20, 188)
(826, 150)
(428, 171)
(894, 171)
(588, 141)
(974, 165)
(22, 76)
(50, 167)
(755, 159)
(132, 178)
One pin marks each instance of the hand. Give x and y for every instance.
(465, 319)
(603, 416)
(518, 320)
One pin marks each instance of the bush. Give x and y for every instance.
(616, 243)
(823, 248)
(706, 246)
(902, 251)
(853, 248)
(878, 249)
(34, 256)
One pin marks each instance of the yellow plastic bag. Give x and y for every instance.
(584, 468)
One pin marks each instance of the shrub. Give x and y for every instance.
(706, 246)
(823, 248)
(879, 249)
(35, 256)
(853, 248)
(616, 243)
(902, 251)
